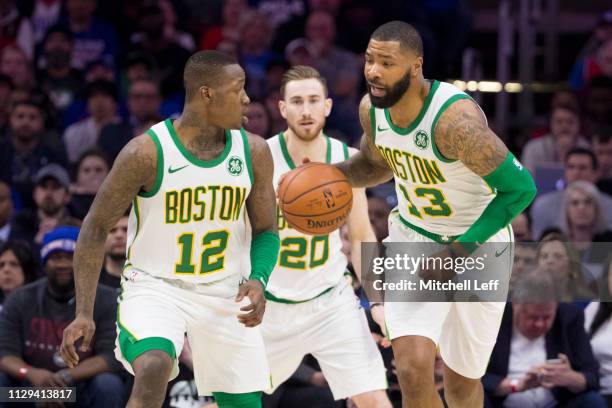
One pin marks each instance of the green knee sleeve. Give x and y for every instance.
(246, 400)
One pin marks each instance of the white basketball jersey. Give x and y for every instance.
(435, 195)
(307, 265)
(192, 225)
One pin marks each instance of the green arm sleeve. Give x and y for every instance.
(515, 191)
(264, 253)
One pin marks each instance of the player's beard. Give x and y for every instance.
(392, 94)
(307, 136)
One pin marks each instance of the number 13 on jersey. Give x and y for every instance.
(212, 256)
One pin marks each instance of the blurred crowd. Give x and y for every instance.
(80, 78)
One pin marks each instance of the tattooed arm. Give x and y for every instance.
(366, 168)
(462, 134)
(261, 202)
(134, 169)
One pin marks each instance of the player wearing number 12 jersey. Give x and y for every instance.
(458, 187)
(311, 307)
(192, 187)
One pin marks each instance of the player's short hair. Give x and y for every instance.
(299, 72)
(203, 69)
(404, 33)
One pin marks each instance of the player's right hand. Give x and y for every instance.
(253, 289)
(80, 327)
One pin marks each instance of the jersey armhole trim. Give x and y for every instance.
(373, 123)
(247, 154)
(345, 150)
(443, 108)
(160, 167)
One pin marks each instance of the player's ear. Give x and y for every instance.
(206, 93)
(328, 106)
(417, 67)
(282, 107)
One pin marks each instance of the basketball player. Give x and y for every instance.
(191, 184)
(312, 308)
(435, 141)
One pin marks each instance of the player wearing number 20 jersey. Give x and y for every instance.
(311, 307)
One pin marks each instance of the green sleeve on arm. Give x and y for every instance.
(515, 191)
(264, 253)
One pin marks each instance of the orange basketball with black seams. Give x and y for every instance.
(315, 198)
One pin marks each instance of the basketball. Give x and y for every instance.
(315, 198)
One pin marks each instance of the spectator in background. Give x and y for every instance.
(583, 222)
(525, 254)
(31, 326)
(598, 324)
(27, 148)
(57, 78)
(44, 14)
(115, 254)
(521, 228)
(92, 168)
(138, 66)
(300, 52)
(6, 88)
(7, 209)
(14, 63)
(51, 195)
(598, 64)
(169, 56)
(102, 108)
(229, 30)
(580, 164)
(254, 51)
(144, 102)
(564, 135)
(99, 70)
(182, 38)
(598, 102)
(602, 147)
(602, 33)
(275, 69)
(15, 29)
(556, 256)
(535, 330)
(378, 212)
(277, 122)
(339, 67)
(259, 120)
(18, 267)
(94, 39)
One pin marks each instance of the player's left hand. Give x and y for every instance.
(434, 272)
(253, 289)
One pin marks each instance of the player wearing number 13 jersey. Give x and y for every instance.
(202, 217)
(311, 307)
(458, 187)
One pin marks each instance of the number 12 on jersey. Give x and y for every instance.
(212, 257)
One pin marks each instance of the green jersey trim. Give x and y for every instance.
(373, 123)
(273, 298)
(434, 237)
(194, 160)
(130, 350)
(137, 213)
(287, 156)
(444, 106)
(345, 150)
(247, 153)
(404, 131)
(160, 167)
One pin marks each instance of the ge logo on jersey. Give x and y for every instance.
(235, 166)
(421, 139)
